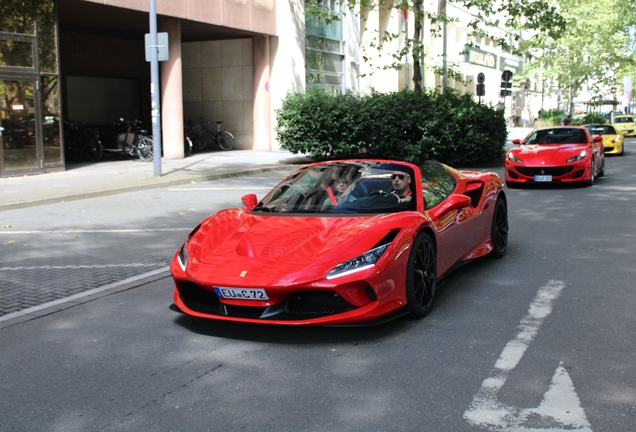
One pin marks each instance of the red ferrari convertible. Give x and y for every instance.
(556, 155)
(341, 243)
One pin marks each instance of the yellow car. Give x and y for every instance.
(625, 124)
(612, 139)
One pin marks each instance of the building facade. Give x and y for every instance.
(229, 60)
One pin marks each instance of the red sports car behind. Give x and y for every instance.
(556, 155)
(341, 243)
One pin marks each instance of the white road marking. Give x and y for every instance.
(560, 409)
(78, 296)
(85, 231)
(79, 266)
(219, 188)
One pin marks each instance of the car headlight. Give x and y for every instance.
(361, 262)
(617, 139)
(182, 255)
(578, 157)
(513, 158)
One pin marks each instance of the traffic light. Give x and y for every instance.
(481, 87)
(506, 84)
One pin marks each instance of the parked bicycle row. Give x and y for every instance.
(126, 138)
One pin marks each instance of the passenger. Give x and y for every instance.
(337, 193)
(401, 182)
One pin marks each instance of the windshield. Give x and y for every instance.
(601, 130)
(343, 187)
(624, 120)
(557, 136)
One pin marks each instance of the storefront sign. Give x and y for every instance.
(511, 64)
(481, 58)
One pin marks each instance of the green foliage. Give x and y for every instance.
(592, 118)
(550, 118)
(415, 127)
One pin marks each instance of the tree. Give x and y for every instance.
(529, 15)
(594, 49)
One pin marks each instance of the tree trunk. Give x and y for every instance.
(417, 46)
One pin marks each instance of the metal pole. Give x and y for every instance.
(154, 90)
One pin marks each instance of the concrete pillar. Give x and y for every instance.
(172, 92)
(262, 119)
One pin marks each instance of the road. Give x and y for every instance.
(542, 339)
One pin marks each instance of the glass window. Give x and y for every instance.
(313, 60)
(18, 137)
(17, 17)
(437, 184)
(15, 53)
(51, 121)
(47, 46)
(315, 42)
(333, 46)
(333, 62)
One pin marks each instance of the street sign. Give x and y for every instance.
(162, 47)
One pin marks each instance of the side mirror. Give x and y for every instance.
(597, 138)
(516, 141)
(249, 201)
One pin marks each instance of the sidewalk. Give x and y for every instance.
(85, 180)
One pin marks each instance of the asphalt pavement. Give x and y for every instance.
(43, 284)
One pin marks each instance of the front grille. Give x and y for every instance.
(199, 299)
(553, 171)
(304, 305)
(317, 304)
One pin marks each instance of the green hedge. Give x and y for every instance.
(449, 127)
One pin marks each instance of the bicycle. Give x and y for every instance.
(201, 136)
(132, 140)
(81, 142)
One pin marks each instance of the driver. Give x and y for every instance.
(401, 181)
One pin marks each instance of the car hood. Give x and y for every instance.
(235, 237)
(546, 152)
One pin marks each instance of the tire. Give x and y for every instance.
(499, 229)
(187, 146)
(144, 146)
(590, 182)
(204, 140)
(93, 150)
(421, 277)
(226, 140)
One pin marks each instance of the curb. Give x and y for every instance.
(129, 188)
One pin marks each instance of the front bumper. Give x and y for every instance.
(575, 172)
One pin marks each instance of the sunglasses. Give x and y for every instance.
(343, 182)
(400, 176)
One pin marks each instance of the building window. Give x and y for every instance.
(324, 52)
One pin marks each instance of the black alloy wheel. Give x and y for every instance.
(421, 276)
(499, 229)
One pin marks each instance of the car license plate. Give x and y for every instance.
(543, 178)
(241, 293)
